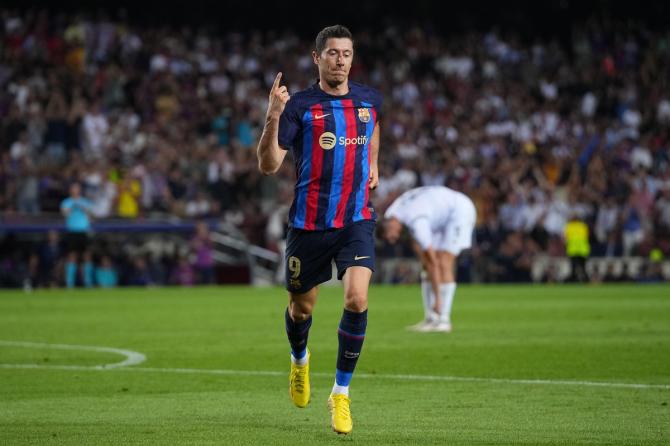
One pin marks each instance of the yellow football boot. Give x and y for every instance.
(299, 383)
(340, 414)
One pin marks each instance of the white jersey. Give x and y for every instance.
(437, 217)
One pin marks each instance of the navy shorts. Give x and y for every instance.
(309, 254)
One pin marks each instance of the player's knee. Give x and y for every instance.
(356, 301)
(300, 311)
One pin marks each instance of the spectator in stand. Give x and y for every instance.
(183, 273)
(28, 189)
(633, 231)
(50, 253)
(140, 274)
(512, 262)
(105, 274)
(128, 202)
(606, 223)
(203, 250)
(55, 139)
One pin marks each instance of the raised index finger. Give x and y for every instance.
(276, 83)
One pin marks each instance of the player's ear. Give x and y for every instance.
(315, 57)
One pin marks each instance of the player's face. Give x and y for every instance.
(392, 230)
(335, 61)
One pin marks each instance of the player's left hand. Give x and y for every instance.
(278, 97)
(373, 181)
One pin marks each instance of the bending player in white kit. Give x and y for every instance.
(441, 221)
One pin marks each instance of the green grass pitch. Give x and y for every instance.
(531, 365)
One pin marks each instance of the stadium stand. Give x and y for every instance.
(160, 124)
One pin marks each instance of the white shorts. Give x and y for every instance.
(457, 234)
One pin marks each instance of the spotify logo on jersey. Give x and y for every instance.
(327, 140)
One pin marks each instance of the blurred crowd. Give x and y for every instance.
(158, 121)
(109, 260)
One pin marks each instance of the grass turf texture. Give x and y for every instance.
(617, 334)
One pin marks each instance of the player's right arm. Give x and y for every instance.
(66, 207)
(270, 154)
(374, 157)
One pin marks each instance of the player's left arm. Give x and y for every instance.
(88, 207)
(374, 157)
(432, 267)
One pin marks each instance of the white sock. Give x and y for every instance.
(340, 389)
(447, 291)
(301, 361)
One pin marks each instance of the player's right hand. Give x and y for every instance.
(278, 98)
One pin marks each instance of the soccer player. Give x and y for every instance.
(441, 221)
(332, 130)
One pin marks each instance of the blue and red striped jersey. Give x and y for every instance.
(329, 138)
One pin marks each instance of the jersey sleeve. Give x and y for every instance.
(420, 229)
(289, 126)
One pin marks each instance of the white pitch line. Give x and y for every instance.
(132, 358)
(443, 378)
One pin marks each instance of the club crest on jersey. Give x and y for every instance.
(364, 114)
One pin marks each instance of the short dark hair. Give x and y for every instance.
(330, 32)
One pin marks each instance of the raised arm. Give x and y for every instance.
(270, 155)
